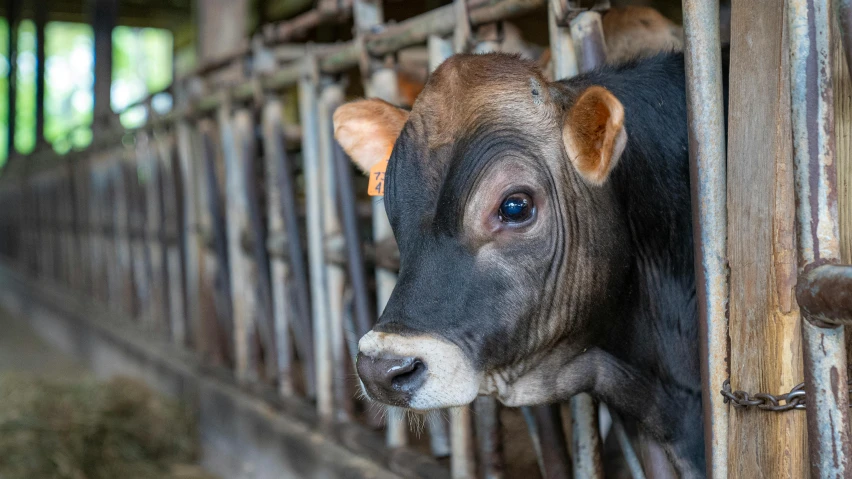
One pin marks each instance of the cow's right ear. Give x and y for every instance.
(367, 130)
(594, 134)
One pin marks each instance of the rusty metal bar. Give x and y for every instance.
(705, 112)
(545, 426)
(308, 110)
(283, 194)
(330, 98)
(823, 287)
(273, 149)
(585, 437)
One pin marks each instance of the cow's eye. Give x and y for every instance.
(516, 208)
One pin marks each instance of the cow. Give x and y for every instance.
(545, 240)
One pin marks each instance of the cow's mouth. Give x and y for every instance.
(420, 372)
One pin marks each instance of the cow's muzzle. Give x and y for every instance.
(418, 372)
(391, 380)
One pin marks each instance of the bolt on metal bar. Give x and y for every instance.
(816, 194)
(705, 114)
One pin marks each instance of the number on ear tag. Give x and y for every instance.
(377, 179)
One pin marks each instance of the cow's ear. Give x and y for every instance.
(367, 130)
(594, 133)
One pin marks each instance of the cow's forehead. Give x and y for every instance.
(469, 90)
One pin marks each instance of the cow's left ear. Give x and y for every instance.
(594, 133)
(367, 130)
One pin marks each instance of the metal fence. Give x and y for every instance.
(241, 238)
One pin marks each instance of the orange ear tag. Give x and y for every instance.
(377, 179)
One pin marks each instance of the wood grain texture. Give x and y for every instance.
(843, 136)
(764, 327)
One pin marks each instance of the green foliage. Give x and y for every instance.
(142, 63)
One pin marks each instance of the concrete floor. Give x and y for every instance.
(21, 350)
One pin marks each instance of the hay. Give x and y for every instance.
(87, 429)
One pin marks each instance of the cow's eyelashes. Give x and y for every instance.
(516, 208)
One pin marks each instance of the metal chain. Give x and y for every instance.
(795, 399)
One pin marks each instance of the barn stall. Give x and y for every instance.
(227, 252)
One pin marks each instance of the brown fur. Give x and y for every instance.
(594, 133)
(367, 130)
(467, 87)
(634, 31)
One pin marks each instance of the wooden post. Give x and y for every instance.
(765, 325)
(843, 136)
(190, 180)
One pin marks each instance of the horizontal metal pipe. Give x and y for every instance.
(824, 293)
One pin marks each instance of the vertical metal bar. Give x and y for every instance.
(585, 37)
(104, 15)
(585, 438)
(124, 264)
(627, 449)
(562, 53)
(330, 98)
(40, 24)
(217, 262)
(242, 295)
(12, 13)
(188, 171)
(462, 465)
(488, 439)
(283, 193)
(705, 113)
(308, 111)
(545, 427)
(273, 147)
(589, 45)
(381, 82)
(824, 346)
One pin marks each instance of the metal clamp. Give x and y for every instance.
(824, 294)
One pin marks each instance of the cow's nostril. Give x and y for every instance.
(410, 376)
(391, 380)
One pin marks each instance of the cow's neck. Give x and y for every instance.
(659, 331)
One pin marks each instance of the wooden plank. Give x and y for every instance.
(843, 136)
(765, 347)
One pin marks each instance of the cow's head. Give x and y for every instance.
(510, 241)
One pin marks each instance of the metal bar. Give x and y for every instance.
(282, 311)
(627, 449)
(193, 244)
(545, 426)
(585, 438)
(12, 14)
(308, 110)
(488, 440)
(104, 14)
(265, 323)
(242, 295)
(40, 23)
(364, 315)
(705, 110)
(330, 98)
(461, 440)
(285, 191)
(221, 275)
(589, 45)
(563, 56)
(816, 194)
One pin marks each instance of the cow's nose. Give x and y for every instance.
(391, 380)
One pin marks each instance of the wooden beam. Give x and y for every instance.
(765, 335)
